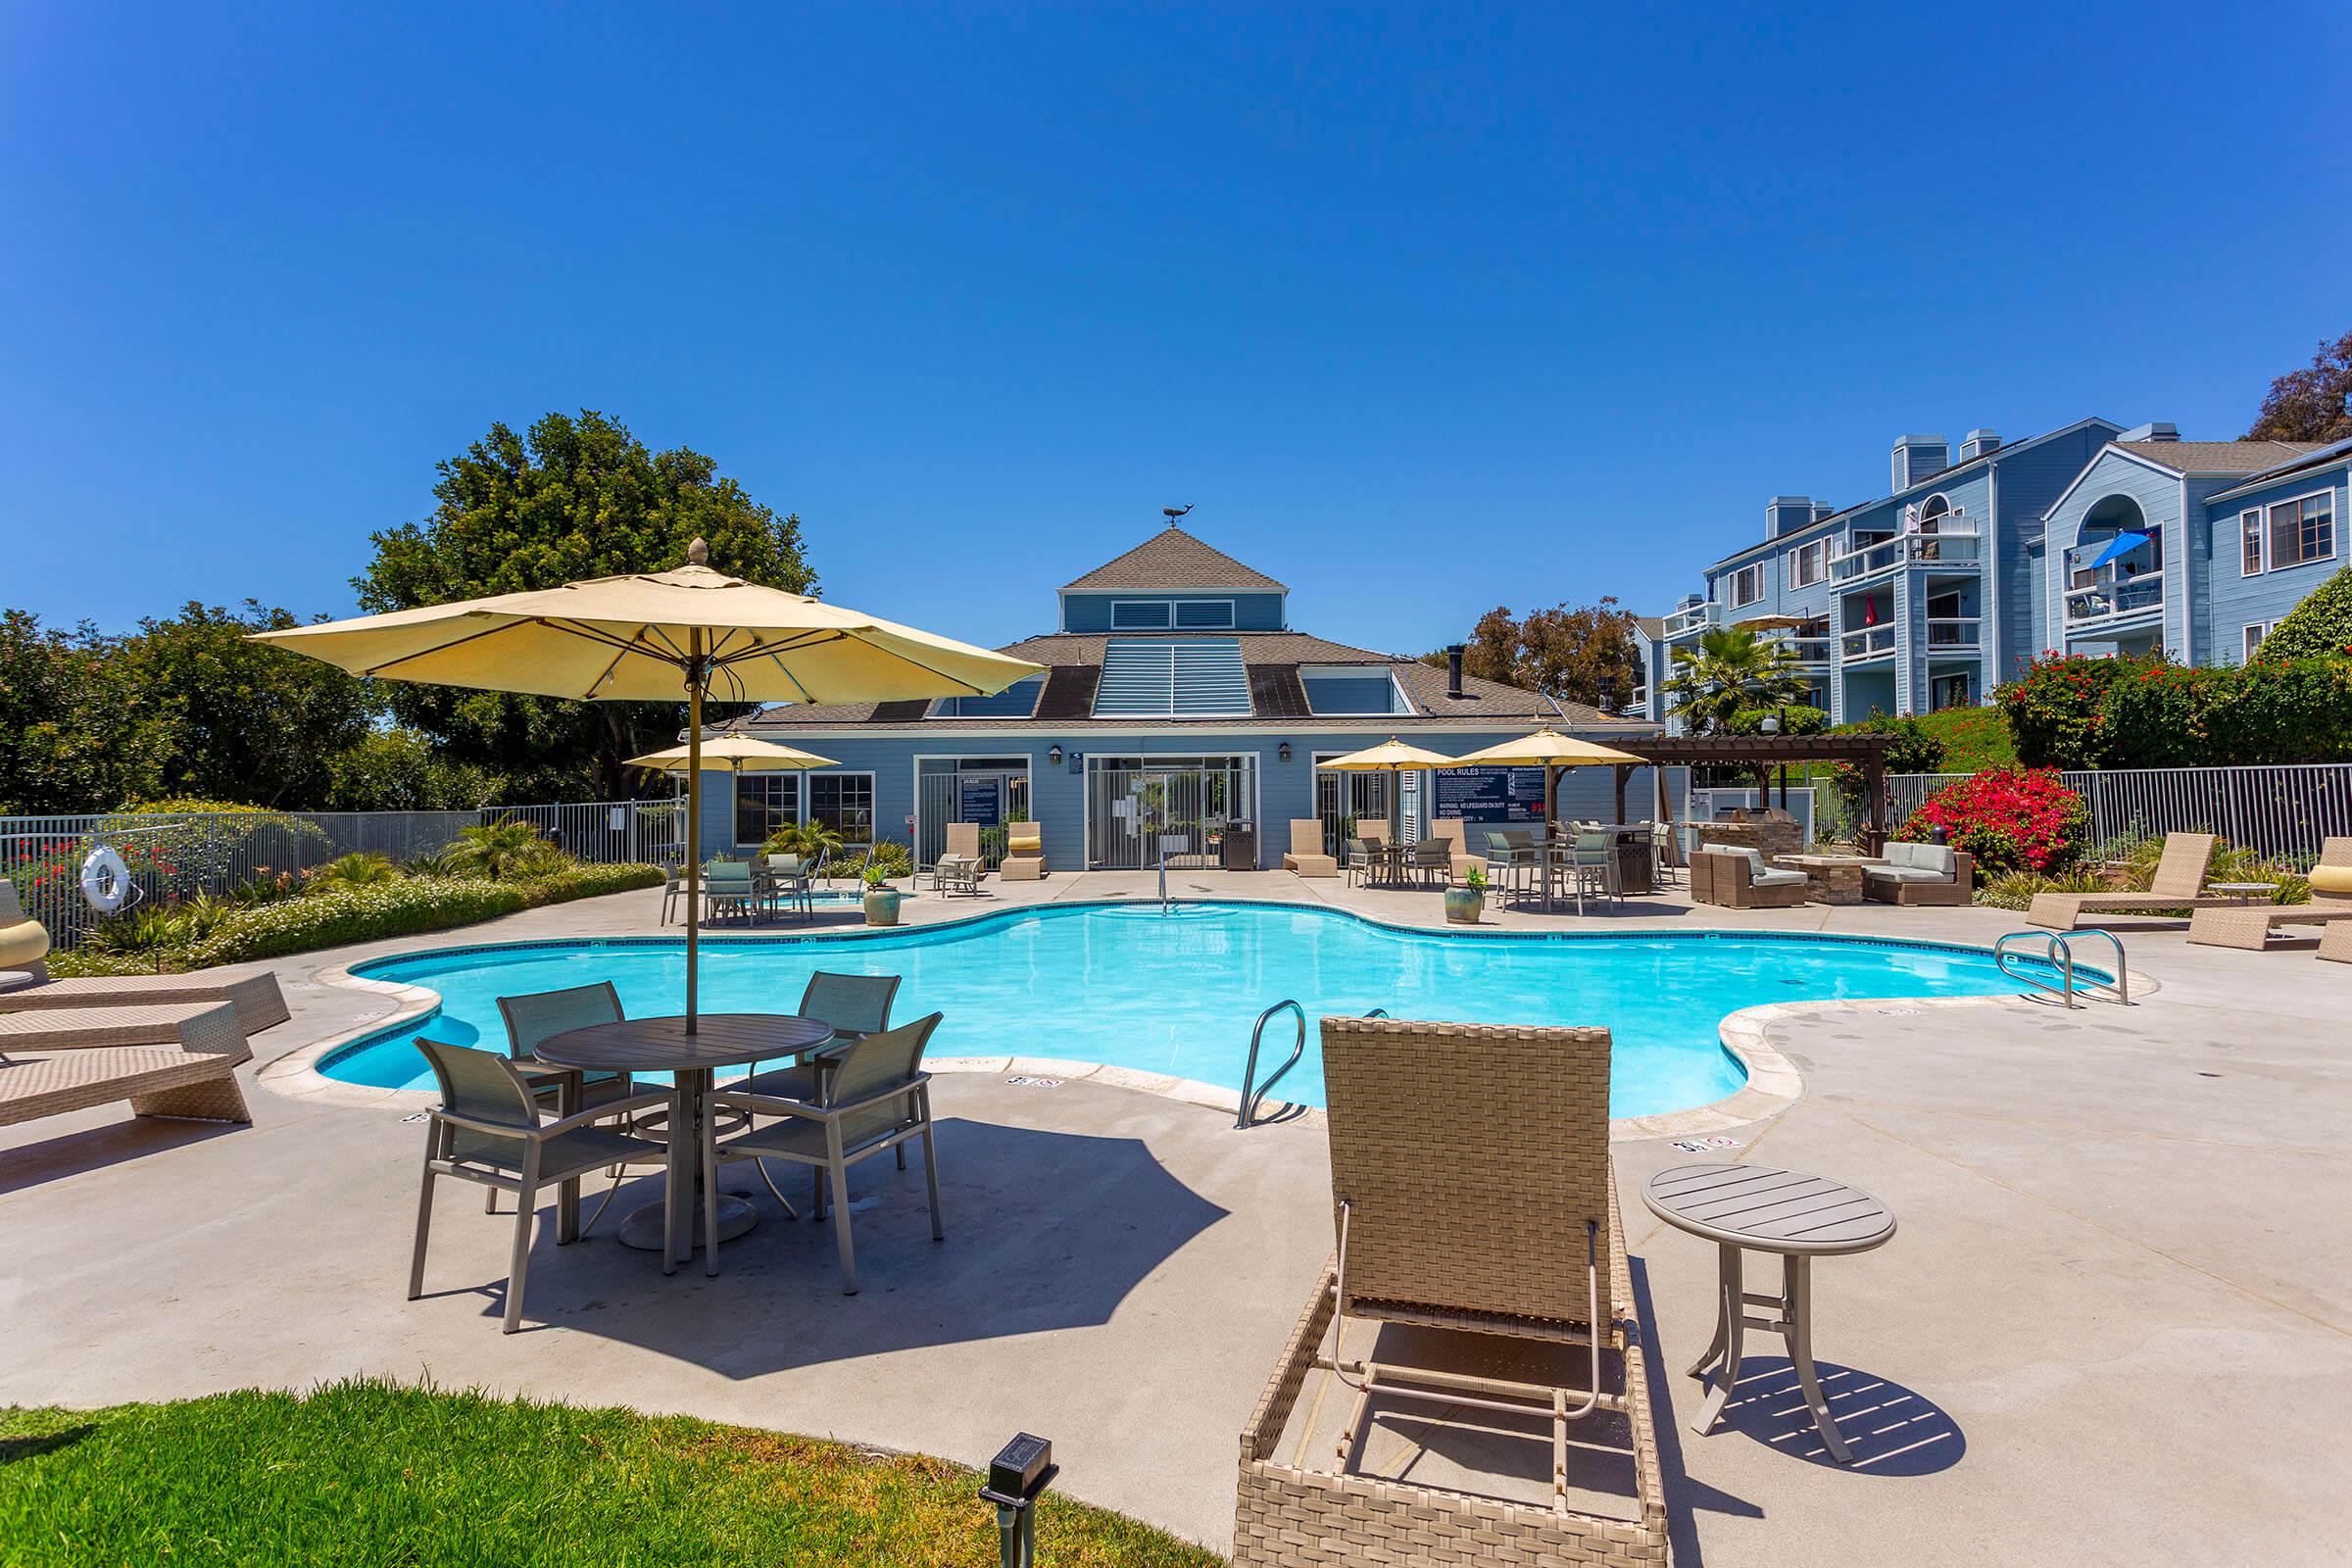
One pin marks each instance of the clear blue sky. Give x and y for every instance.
(1424, 315)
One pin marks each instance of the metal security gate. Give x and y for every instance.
(1130, 808)
(1342, 800)
(989, 791)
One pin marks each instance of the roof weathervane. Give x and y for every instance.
(1173, 513)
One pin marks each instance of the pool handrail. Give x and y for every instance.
(1251, 1101)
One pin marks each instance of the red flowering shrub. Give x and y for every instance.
(2009, 819)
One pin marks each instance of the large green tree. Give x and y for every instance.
(575, 496)
(77, 731)
(1564, 652)
(1731, 670)
(248, 722)
(2313, 403)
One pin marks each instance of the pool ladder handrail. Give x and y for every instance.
(1252, 1100)
(2059, 953)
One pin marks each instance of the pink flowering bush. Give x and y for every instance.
(2010, 819)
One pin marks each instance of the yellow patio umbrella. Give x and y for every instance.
(1550, 751)
(648, 637)
(733, 754)
(1391, 757)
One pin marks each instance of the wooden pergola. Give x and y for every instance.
(1866, 751)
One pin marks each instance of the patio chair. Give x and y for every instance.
(875, 1096)
(537, 1015)
(958, 870)
(1306, 854)
(673, 892)
(1024, 852)
(788, 883)
(729, 887)
(1429, 860)
(2178, 884)
(1736, 877)
(25, 984)
(1593, 865)
(2250, 926)
(487, 1131)
(1494, 1284)
(1508, 863)
(1665, 851)
(1358, 861)
(1454, 833)
(856, 1006)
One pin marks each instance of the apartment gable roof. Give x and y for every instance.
(2215, 456)
(2332, 454)
(1172, 560)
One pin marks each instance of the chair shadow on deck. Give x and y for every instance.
(1045, 1230)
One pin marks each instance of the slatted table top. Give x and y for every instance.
(1768, 1208)
(663, 1044)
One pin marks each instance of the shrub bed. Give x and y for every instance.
(335, 915)
(2009, 819)
(2082, 713)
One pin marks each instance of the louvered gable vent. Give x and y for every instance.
(1193, 678)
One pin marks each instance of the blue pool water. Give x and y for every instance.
(1178, 993)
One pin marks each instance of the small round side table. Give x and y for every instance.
(1767, 1209)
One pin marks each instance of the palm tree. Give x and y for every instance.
(1730, 670)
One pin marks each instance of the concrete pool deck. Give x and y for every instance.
(2113, 1327)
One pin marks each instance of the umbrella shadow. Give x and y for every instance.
(1045, 1230)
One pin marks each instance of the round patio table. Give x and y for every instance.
(663, 1044)
(1767, 1209)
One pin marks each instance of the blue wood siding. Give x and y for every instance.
(1252, 611)
(2157, 495)
(2233, 601)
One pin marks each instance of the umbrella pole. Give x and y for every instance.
(694, 815)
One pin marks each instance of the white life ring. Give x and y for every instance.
(105, 880)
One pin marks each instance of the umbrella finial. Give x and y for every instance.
(697, 553)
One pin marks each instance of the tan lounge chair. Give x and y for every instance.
(2250, 926)
(1306, 854)
(2178, 884)
(2337, 942)
(24, 982)
(175, 1058)
(1500, 1267)
(1024, 852)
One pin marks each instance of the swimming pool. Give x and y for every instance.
(1178, 993)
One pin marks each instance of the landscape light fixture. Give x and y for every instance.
(1016, 1478)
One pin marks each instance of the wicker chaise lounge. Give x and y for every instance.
(177, 1058)
(1024, 852)
(1306, 854)
(2178, 884)
(24, 982)
(2250, 926)
(1491, 1269)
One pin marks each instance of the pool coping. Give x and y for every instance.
(1774, 1083)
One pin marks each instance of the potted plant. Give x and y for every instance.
(881, 899)
(1465, 904)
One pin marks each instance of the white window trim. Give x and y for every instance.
(2262, 542)
(873, 794)
(2270, 556)
(1399, 705)
(1167, 607)
(1733, 600)
(1788, 571)
(2262, 630)
(1177, 605)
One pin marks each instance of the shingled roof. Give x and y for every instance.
(2217, 457)
(1172, 560)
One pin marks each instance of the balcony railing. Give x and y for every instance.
(1876, 641)
(1684, 622)
(2112, 598)
(1949, 546)
(1952, 634)
(1807, 649)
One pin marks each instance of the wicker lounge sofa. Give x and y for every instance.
(24, 983)
(1306, 854)
(1921, 873)
(1458, 1277)
(1024, 854)
(1735, 878)
(2250, 926)
(2178, 884)
(177, 1058)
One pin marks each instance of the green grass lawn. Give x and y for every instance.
(372, 1473)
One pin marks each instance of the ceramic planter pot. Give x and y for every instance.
(1464, 906)
(882, 905)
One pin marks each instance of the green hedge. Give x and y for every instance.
(336, 916)
(2079, 713)
(2320, 627)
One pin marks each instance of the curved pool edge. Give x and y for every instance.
(1772, 1083)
